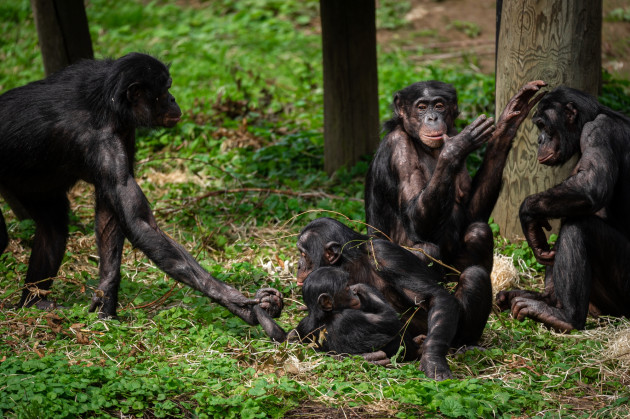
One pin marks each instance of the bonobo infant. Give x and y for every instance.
(80, 124)
(344, 319)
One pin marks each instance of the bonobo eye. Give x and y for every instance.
(439, 106)
(422, 107)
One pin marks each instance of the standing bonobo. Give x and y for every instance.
(79, 124)
(418, 192)
(590, 262)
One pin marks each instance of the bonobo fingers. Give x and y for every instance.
(270, 300)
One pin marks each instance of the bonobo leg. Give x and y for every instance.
(474, 294)
(49, 244)
(591, 264)
(109, 240)
(477, 247)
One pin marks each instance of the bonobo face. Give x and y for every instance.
(347, 299)
(558, 139)
(166, 111)
(305, 266)
(549, 138)
(427, 112)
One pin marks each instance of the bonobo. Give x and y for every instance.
(418, 192)
(79, 124)
(344, 319)
(407, 283)
(590, 262)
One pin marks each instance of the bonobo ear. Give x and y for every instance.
(398, 106)
(133, 92)
(332, 252)
(571, 112)
(325, 301)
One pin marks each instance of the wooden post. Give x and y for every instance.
(351, 119)
(62, 28)
(556, 41)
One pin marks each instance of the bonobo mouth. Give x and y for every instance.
(545, 159)
(439, 137)
(171, 121)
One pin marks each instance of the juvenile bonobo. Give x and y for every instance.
(418, 192)
(407, 283)
(79, 124)
(590, 262)
(344, 319)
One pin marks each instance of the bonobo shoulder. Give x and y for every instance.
(597, 132)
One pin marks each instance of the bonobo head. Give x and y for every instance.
(426, 110)
(560, 117)
(326, 291)
(142, 86)
(326, 242)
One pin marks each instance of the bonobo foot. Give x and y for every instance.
(435, 366)
(105, 305)
(553, 317)
(377, 357)
(504, 298)
(45, 305)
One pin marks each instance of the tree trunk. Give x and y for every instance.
(556, 41)
(63, 32)
(351, 119)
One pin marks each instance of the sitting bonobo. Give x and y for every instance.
(344, 319)
(418, 192)
(589, 267)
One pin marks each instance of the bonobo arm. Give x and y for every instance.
(585, 192)
(116, 187)
(487, 182)
(434, 198)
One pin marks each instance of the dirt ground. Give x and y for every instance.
(453, 29)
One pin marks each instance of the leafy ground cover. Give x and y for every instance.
(234, 182)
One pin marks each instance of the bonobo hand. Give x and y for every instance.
(537, 240)
(518, 108)
(270, 300)
(470, 139)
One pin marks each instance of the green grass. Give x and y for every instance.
(248, 76)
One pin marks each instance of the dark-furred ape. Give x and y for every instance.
(79, 124)
(418, 192)
(407, 283)
(345, 319)
(590, 262)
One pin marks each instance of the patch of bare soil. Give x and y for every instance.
(465, 30)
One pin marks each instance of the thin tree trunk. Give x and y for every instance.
(351, 119)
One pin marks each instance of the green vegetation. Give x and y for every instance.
(234, 182)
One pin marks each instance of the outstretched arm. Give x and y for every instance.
(117, 189)
(487, 181)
